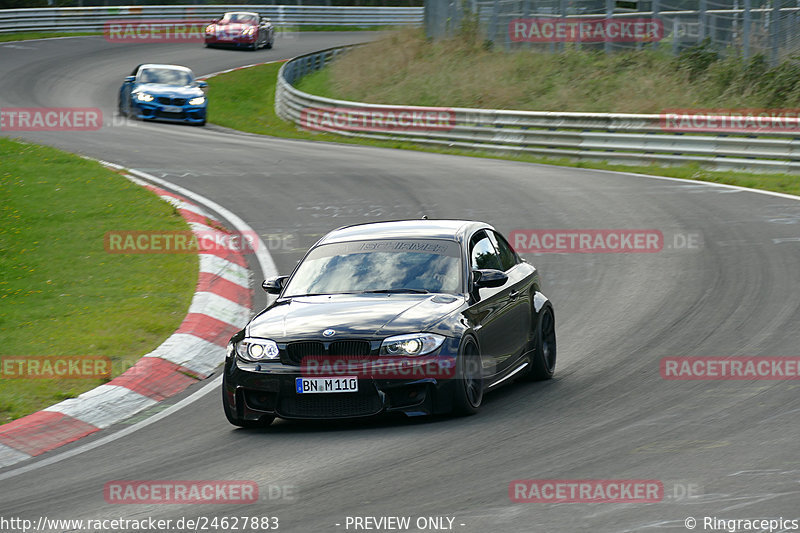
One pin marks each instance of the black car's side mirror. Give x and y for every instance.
(129, 79)
(202, 84)
(488, 277)
(274, 285)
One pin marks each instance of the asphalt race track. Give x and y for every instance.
(724, 449)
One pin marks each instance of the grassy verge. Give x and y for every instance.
(244, 100)
(462, 72)
(27, 36)
(61, 293)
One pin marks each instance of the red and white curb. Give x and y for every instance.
(220, 307)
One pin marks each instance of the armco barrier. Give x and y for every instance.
(75, 19)
(630, 139)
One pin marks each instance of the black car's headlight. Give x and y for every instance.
(144, 97)
(411, 344)
(255, 350)
(197, 101)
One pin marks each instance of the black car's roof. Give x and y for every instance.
(457, 230)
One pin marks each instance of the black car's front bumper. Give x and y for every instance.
(254, 391)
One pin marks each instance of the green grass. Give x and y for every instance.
(244, 100)
(463, 72)
(30, 35)
(61, 293)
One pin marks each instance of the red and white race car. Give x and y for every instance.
(241, 29)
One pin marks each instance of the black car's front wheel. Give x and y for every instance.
(236, 421)
(542, 359)
(468, 393)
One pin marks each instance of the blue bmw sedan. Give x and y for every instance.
(163, 92)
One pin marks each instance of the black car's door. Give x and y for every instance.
(517, 321)
(491, 308)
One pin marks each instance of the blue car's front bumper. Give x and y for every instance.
(189, 114)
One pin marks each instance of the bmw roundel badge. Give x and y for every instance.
(328, 333)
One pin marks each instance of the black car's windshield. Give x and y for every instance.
(383, 266)
(165, 76)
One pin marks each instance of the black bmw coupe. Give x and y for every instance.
(415, 316)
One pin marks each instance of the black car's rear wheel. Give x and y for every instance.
(468, 393)
(542, 360)
(263, 422)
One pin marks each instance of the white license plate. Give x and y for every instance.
(326, 385)
(172, 108)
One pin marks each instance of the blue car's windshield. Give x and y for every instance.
(412, 265)
(165, 76)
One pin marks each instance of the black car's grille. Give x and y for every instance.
(296, 351)
(166, 100)
(349, 348)
(332, 405)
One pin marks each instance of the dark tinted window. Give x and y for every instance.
(483, 253)
(507, 256)
(417, 264)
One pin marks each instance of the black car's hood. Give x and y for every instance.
(362, 315)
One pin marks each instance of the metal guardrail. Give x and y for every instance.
(613, 137)
(74, 19)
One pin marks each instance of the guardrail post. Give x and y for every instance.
(702, 19)
(656, 16)
(774, 32)
(491, 33)
(675, 26)
(746, 30)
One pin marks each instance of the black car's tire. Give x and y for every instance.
(468, 393)
(543, 357)
(269, 44)
(232, 418)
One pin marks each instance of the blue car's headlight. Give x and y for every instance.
(197, 101)
(411, 344)
(255, 350)
(144, 97)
